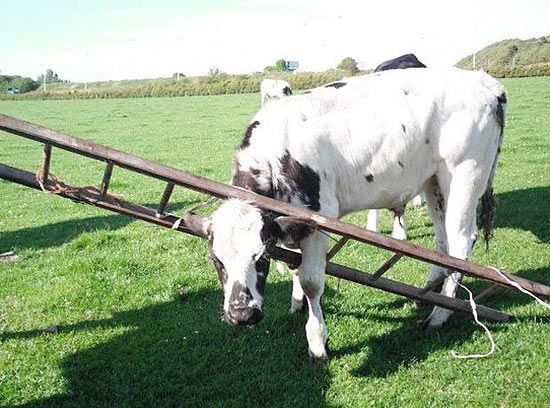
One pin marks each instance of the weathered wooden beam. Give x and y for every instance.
(93, 197)
(217, 189)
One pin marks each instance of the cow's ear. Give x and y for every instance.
(200, 226)
(290, 230)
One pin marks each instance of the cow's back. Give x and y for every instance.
(376, 139)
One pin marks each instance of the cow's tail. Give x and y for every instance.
(488, 199)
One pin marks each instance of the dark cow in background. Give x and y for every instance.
(402, 62)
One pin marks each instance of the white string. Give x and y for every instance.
(474, 312)
(518, 287)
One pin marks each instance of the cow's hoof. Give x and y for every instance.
(297, 305)
(431, 328)
(313, 359)
(429, 325)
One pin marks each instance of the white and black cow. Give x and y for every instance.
(274, 88)
(371, 142)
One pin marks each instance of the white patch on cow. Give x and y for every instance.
(237, 225)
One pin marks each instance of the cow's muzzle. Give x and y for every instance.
(243, 315)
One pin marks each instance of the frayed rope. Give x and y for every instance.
(474, 313)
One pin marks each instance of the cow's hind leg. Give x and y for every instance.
(311, 274)
(399, 225)
(436, 200)
(461, 230)
(373, 221)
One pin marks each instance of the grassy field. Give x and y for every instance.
(137, 308)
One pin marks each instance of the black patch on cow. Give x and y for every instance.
(246, 141)
(400, 164)
(427, 141)
(248, 180)
(499, 114)
(487, 214)
(292, 231)
(220, 268)
(301, 180)
(237, 292)
(336, 85)
(439, 199)
(369, 177)
(287, 91)
(404, 128)
(262, 269)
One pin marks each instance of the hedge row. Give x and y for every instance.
(520, 71)
(208, 85)
(224, 84)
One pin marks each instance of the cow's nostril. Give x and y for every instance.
(245, 316)
(255, 316)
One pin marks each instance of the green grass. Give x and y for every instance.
(137, 308)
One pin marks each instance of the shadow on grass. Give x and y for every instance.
(55, 234)
(526, 209)
(180, 353)
(408, 344)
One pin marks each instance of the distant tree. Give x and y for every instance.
(269, 68)
(280, 66)
(15, 81)
(348, 64)
(50, 77)
(214, 71)
(25, 84)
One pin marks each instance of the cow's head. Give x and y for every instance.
(239, 235)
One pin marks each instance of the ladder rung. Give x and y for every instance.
(46, 162)
(387, 265)
(164, 200)
(106, 178)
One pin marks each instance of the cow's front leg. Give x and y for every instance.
(311, 274)
(297, 301)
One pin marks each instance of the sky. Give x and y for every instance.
(99, 40)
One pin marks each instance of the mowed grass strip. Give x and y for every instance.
(133, 311)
